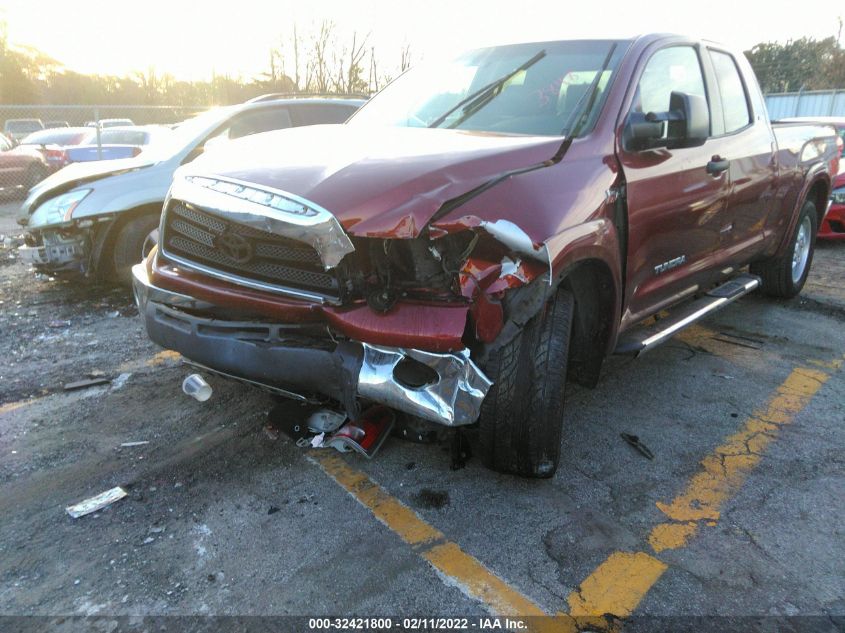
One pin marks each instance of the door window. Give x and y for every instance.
(673, 69)
(262, 120)
(732, 91)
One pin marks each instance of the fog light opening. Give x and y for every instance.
(413, 374)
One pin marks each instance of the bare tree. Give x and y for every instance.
(354, 72)
(405, 62)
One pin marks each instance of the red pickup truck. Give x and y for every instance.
(485, 229)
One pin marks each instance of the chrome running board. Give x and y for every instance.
(640, 340)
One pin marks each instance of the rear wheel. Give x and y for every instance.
(784, 277)
(133, 243)
(522, 415)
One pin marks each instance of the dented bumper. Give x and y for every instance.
(444, 388)
(56, 253)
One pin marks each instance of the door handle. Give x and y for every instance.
(717, 165)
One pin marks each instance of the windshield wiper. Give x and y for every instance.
(471, 103)
(590, 95)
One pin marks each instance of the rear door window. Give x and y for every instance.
(732, 90)
(317, 113)
(261, 120)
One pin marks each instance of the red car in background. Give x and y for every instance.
(21, 168)
(53, 142)
(833, 225)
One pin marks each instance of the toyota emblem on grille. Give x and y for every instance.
(234, 247)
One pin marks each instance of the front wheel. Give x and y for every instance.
(522, 415)
(784, 277)
(133, 243)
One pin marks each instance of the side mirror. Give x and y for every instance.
(686, 124)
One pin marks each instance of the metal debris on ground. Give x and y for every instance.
(84, 384)
(634, 441)
(740, 341)
(131, 444)
(95, 503)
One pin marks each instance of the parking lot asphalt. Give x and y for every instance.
(740, 512)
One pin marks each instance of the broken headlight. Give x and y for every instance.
(57, 210)
(838, 196)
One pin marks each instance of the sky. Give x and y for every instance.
(191, 39)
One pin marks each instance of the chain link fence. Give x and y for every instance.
(38, 140)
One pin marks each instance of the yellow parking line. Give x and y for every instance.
(616, 586)
(725, 468)
(619, 584)
(455, 565)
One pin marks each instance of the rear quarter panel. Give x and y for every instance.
(805, 156)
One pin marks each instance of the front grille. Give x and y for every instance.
(201, 237)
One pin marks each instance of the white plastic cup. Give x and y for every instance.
(196, 387)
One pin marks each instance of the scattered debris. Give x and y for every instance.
(58, 324)
(273, 510)
(416, 430)
(112, 315)
(95, 503)
(740, 341)
(148, 540)
(131, 444)
(431, 499)
(271, 431)
(724, 376)
(196, 387)
(365, 435)
(325, 421)
(634, 441)
(120, 381)
(460, 450)
(317, 440)
(84, 384)
(286, 416)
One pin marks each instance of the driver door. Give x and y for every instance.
(676, 203)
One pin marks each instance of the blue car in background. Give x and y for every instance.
(115, 143)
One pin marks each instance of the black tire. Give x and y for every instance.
(522, 416)
(777, 273)
(129, 245)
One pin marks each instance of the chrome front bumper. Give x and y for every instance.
(345, 371)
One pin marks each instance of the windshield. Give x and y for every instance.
(548, 89)
(165, 146)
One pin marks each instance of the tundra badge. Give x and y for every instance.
(672, 263)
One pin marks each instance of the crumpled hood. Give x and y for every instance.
(68, 177)
(385, 182)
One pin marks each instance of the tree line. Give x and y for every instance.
(316, 61)
(802, 64)
(321, 61)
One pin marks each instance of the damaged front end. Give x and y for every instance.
(265, 286)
